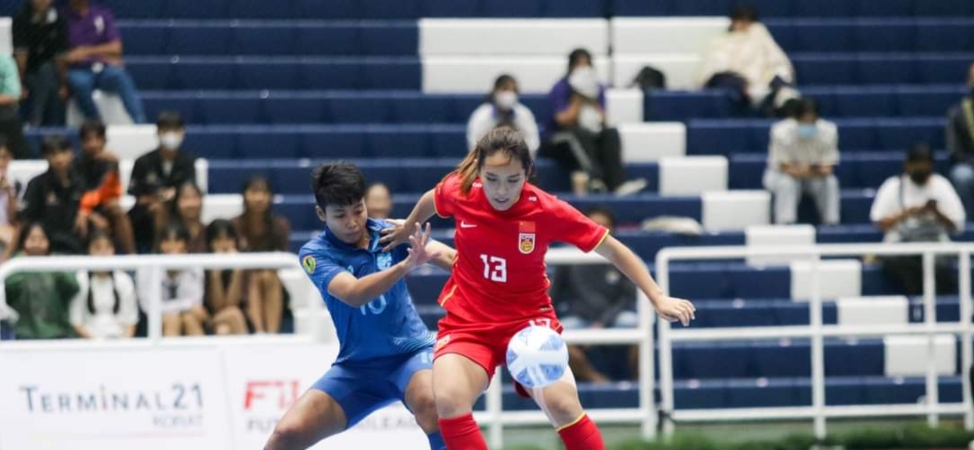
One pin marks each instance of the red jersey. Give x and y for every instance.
(500, 274)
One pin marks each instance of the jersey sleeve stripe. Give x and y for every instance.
(448, 296)
(597, 244)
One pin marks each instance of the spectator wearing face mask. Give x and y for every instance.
(501, 108)
(155, 177)
(918, 206)
(802, 157)
(577, 135)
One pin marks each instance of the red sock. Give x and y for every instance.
(462, 433)
(582, 435)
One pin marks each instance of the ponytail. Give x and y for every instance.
(504, 139)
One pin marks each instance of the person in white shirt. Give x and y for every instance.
(502, 108)
(918, 206)
(105, 306)
(801, 161)
(182, 290)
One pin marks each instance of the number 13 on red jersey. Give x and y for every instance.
(495, 268)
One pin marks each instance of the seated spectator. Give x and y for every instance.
(105, 307)
(155, 176)
(41, 299)
(918, 206)
(187, 209)
(593, 296)
(9, 195)
(378, 201)
(181, 291)
(10, 93)
(577, 135)
(748, 61)
(225, 288)
(502, 109)
(99, 168)
(95, 60)
(263, 231)
(53, 198)
(960, 146)
(801, 161)
(40, 46)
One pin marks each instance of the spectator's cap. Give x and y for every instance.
(586, 82)
(744, 12)
(55, 144)
(919, 153)
(170, 120)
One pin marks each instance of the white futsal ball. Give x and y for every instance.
(537, 356)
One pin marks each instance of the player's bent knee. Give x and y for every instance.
(424, 408)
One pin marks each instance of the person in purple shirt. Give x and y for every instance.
(95, 60)
(576, 134)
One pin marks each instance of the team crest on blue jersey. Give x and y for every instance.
(309, 263)
(384, 261)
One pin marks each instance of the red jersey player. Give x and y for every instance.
(499, 284)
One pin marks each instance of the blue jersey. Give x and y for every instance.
(389, 324)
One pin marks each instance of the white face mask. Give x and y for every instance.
(505, 100)
(171, 140)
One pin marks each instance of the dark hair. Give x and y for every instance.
(92, 127)
(174, 205)
(744, 12)
(220, 228)
(498, 82)
(338, 184)
(806, 106)
(95, 235)
(25, 230)
(605, 211)
(500, 139)
(169, 120)
(919, 152)
(173, 229)
(3, 143)
(272, 239)
(54, 144)
(576, 56)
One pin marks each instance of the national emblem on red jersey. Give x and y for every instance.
(526, 237)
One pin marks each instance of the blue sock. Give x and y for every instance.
(436, 441)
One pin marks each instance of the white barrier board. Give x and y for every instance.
(218, 396)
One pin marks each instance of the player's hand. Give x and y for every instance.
(395, 235)
(676, 309)
(418, 255)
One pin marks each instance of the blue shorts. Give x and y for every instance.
(361, 389)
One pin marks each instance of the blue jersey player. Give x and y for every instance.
(386, 349)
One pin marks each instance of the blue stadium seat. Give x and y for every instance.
(144, 38)
(198, 40)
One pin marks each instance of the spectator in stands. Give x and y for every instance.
(95, 60)
(9, 195)
(53, 198)
(960, 145)
(378, 201)
(181, 290)
(41, 300)
(263, 231)
(749, 62)
(106, 306)
(187, 209)
(40, 46)
(155, 176)
(918, 206)
(10, 93)
(502, 109)
(801, 160)
(225, 289)
(577, 135)
(99, 168)
(594, 297)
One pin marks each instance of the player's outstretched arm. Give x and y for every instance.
(356, 292)
(445, 254)
(424, 209)
(669, 308)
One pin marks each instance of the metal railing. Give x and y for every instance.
(818, 411)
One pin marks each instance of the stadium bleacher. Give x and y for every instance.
(265, 89)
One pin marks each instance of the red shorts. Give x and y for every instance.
(486, 344)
